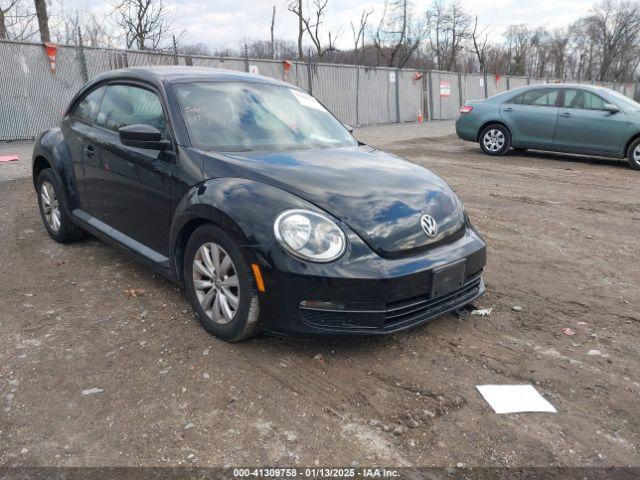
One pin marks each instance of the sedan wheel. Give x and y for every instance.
(633, 157)
(215, 280)
(220, 284)
(495, 140)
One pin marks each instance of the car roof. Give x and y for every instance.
(173, 74)
(593, 88)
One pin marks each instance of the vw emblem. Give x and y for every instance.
(429, 225)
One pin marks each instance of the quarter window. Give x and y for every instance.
(540, 97)
(124, 105)
(87, 109)
(583, 99)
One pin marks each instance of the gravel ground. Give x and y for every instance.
(562, 244)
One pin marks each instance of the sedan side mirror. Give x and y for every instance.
(349, 128)
(611, 108)
(143, 136)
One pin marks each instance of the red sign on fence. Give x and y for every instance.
(445, 88)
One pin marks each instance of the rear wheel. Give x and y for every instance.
(53, 209)
(219, 285)
(495, 140)
(633, 155)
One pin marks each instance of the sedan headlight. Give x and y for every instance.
(310, 235)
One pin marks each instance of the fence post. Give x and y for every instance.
(246, 58)
(309, 73)
(175, 51)
(486, 86)
(357, 95)
(83, 60)
(397, 95)
(635, 92)
(430, 95)
(460, 90)
(508, 83)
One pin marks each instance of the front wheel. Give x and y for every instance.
(633, 155)
(53, 209)
(495, 140)
(219, 284)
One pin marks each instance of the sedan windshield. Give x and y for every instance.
(235, 116)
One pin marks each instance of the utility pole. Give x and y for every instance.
(43, 20)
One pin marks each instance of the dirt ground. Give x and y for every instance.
(562, 237)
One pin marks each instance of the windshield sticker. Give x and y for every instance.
(306, 100)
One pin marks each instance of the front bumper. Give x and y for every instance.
(387, 296)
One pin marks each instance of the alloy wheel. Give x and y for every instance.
(215, 281)
(50, 206)
(493, 140)
(636, 155)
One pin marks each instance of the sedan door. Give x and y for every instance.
(532, 116)
(129, 188)
(585, 126)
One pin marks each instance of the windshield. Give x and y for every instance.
(625, 102)
(235, 116)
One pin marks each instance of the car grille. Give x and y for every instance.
(395, 314)
(419, 308)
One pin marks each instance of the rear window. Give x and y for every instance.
(540, 97)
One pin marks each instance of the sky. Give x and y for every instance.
(229, 23)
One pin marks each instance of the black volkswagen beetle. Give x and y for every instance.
(250, 194)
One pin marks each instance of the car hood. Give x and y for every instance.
(378, 195)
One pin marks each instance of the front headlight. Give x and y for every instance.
(309, 235)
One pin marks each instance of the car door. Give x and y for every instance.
(585, 126)
(532, 116)
(79, 135)
(129, 188)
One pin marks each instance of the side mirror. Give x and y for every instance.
(611, 108)
(349, 128)
(143, 136)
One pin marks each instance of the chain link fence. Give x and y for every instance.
(33, 99)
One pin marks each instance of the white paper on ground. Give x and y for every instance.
(514, 399)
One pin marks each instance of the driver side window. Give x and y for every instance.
(582, 99)
(124, 105)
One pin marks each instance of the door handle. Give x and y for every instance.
(565, 114)
(89, 151)
(508, 109)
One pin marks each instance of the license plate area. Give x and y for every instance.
(447, 279)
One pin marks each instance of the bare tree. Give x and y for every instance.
(43, 20)
(295, 6)
(4, 10)
(359, 34)
(398, 34)
(146, 24)
(480, 38)
(17, 20)
(450, 29)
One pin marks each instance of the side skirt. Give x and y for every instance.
(145, 255)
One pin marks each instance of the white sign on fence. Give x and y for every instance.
(254, 70)
(445, 88)
(392, 77)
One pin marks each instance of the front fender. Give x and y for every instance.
(243, 207)
(52, 147)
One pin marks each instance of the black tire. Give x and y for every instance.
(244, 322)
(633, 154)
(64, 231)
(499, 141)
